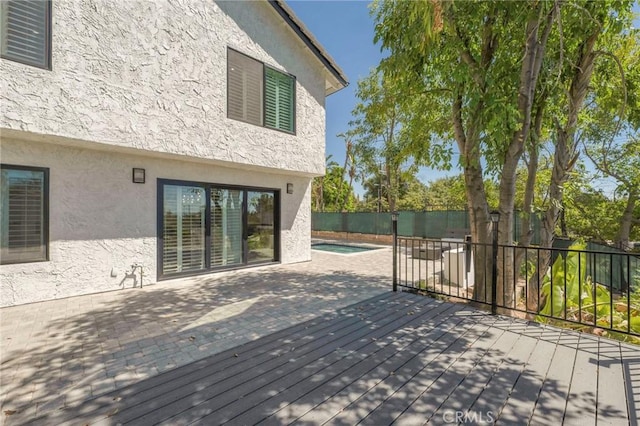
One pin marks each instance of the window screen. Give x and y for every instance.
(23, 214)
(244, 89)
(25, 31)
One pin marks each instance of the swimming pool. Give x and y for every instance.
(341, 248)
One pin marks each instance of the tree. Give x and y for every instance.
(330, 191)
(449, 192)
(469, 72)
(378, 135)
(611, 138)
(621, 161)
(467, 77)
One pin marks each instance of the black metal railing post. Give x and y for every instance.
(495, 218)
(394, 231)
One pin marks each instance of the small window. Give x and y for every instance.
(23, 214)
(244, 88)
(258, 94)
(278, 105)
(25, 29)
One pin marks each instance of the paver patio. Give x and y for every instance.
(314, 343)
(395, 358)
(60, 352)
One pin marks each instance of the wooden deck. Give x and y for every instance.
(397, 358)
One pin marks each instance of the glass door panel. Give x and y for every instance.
(260, 226)
(183, 229)
(226, 227)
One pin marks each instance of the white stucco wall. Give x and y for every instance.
(151, 75)
(100, 220)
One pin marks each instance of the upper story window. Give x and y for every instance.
(25, 31)
(24, 214)
(259, 94)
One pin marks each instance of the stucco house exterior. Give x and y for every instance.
(150, 140)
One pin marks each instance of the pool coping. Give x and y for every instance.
(369, 246)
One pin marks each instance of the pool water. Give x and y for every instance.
(340, 248)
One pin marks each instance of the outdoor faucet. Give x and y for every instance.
(136, 266)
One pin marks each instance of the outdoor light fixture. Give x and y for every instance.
(394, 216)
(138, 175)
(289, 188)
(495, 216)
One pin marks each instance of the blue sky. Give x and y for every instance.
(346, 30)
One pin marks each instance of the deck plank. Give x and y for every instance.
(186, 398)
(462, 398)
(399, 358)
(342, 374)
(427, 407)
(408, 385)
(581, 404)
(495, 394)
(311, 409)
(364, 349)
(612, 404)
(519, 407)
(384, 382)
(631, 369)
(552, 400)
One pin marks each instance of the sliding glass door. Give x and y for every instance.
(226, 227)
(205, 227)
(260, 226)
(184, 229)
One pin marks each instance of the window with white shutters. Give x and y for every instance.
(23, 214)
(25, 31)
(244, 88)
(259, 94)
(226, 226)
(184, 228)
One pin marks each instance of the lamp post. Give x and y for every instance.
(394, 231)
(495, 219)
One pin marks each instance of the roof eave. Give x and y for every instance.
(314, 45)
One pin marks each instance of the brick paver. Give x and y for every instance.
(62, 352)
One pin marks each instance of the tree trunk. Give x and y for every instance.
(627, 220)
(536, 39)
(481, 233)
(526, 233)
(343, 200)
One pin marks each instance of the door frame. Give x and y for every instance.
(207, 186)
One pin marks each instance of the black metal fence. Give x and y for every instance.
(424, 224)
(593, 289)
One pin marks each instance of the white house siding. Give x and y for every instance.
(143, 84)
(151, 75)
(102, 222)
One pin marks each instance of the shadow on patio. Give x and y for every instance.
(62, 352)
(393, 358)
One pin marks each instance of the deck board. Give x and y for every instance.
(251, 373)
(423, 350)
(399, 358)
(612, 405)
(408, 388)
(552, 399)
(362, 347)
(345, 372)
(581, 404)
(519, 407)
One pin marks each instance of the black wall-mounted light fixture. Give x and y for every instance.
(138, 175)
(289, 188)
